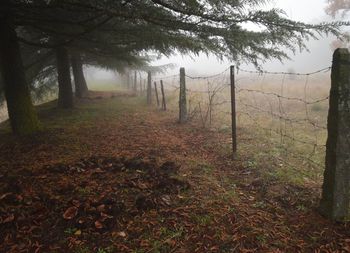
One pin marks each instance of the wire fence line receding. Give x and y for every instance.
(285, 113)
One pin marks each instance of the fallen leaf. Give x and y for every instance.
(70, 213)
(76, 203)
(78, 232)
(143, 186)
(101, 208)
(121, 234)
(9, 218)
(5, 195)
(98, 224)
(171, 242)
(99, 170)
(166, 199)
(105, 216)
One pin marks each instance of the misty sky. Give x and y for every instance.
(307, 11)
(320, 55)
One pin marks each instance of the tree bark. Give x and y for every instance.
(81, 88)
(65, 92)
(22, 115)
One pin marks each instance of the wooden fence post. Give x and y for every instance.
(182, 97)
(149, 88)
(335, 201)
(163, 95)
(156, 92)
(128, 79)
(135, 82)
(233, 111)
(140, 77)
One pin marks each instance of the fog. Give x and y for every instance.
(318, 56)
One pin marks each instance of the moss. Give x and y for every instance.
(23, 117)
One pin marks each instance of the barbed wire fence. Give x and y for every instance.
(284, 112)
(291, 112)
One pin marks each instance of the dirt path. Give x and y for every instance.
(114, 177)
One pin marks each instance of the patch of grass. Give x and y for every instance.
(202, 219)
(202, 166)
(161, 245)
(82, 249)
(285, 174)
(301, 208)
(83, 191)
(106, 250)
(82, 114)
(251, 164)
(70, 231)
(261, 238)
(207, 168)
(224, 149)
(171, 233)
(138, 251)
(231, 209)
(229, 195)
(260, 204)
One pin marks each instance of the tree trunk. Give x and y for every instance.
(22, 115)
(65, 92)
(81, 88)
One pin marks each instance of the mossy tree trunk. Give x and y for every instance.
(81, 88)
(22, 115)
(65, 92)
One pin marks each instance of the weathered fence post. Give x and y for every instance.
(140, 77)
(335, 201)
(156, 92)
(135, 82)
(182, 97)
(149, 88)
(233, 111)
(163, 95)
(128, 79)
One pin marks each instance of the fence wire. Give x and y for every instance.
(283, 114)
